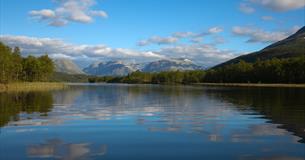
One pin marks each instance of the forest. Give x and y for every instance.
(288, 70)
(15, 68)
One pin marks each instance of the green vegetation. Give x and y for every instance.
(14, 68)
(289, 70)
(169, 77)
(64, 77)
(30, 73)
(30, 86)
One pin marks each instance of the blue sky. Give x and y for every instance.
(211, 31)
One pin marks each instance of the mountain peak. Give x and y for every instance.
(110, 68)
(301, 31)
(170, 65)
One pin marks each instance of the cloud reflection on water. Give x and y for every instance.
(57, 149)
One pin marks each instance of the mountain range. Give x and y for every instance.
(171, 65)
(120, 68)
(111, 68)
(292, 46)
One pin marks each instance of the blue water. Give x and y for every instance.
(109, 121)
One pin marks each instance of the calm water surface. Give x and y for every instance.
(153, 122)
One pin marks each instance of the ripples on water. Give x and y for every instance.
(153, 122)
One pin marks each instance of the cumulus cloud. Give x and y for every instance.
(175, 37)
(246, 8)
(43, 14)
(158, 40)
(259, 35)
(280, 5)
(200, 53)
(57, 48)
(68, 11)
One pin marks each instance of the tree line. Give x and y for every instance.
(289, 70)
(15, 68)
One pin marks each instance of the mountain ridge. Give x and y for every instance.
(291, 46)
(119, 68)
(63, 65)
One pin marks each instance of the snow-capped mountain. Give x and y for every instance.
(111, 68)
(119, 68)
(170, 65)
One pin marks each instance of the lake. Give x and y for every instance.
(120, 121)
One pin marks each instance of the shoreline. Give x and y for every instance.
(31, 86)
(269, 85)
(274, 85)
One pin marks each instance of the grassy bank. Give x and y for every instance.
(252, 85)
(31, 86)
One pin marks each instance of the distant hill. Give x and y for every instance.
(111, 68)
(119, 68)
(67, 66)
(292, 46)
(170, 65)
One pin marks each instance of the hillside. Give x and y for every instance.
(292, 46)
(111, 68)
(67, 66)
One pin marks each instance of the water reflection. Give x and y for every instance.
(56, 148)
(282, 106)
(20, 106)
(179, 122)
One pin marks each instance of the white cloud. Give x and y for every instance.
(68, 11)
(175, 37)
(214, 30)
(200, 53)
(57, 48)
(246, 8)
(280, 5)
(43, 14)
(102, 14)
(258, 35)
(158, 40)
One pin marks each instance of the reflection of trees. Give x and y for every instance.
(57, 149)
(283, 106)
(12, 104)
